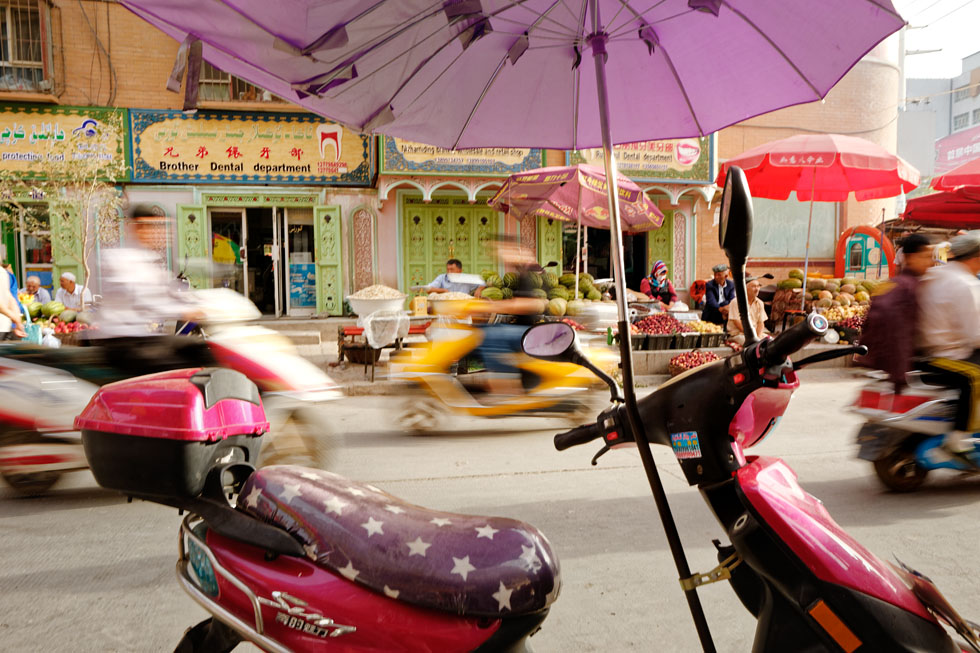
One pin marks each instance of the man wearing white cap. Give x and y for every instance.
(949, 332)
(72, 294)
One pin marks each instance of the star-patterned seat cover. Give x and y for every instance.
(463, 564)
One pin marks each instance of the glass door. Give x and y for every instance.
(229, 252)
(300, 268)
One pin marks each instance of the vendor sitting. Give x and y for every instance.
(718, 294)
(33, 287)
(757, 313)
(443, 284)
(657, 286)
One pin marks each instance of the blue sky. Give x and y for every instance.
(953, 25)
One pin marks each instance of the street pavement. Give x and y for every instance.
(86, 572)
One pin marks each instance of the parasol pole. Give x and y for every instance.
(578, 237)
(809, 225)
(597, 41)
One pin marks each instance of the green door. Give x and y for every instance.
(192, 245)
(436, 232)
(328, 257)
(549, 242)
(660, 246)
(66, 247)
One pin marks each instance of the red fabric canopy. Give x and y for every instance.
(823, 167)
(957, 209)
(967, 174)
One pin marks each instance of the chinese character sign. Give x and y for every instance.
(222, 147)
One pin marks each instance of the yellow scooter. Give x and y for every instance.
(551, 389)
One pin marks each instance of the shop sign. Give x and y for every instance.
(957, 149)
(683, 160)
(29, 133)
(223, 147)
(401, 157)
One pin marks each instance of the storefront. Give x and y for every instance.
(255, 201)
(435, 207)
(40, 244)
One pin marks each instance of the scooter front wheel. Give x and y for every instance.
(209, 636)
(32, 484)
(420, 415)
(899, 472)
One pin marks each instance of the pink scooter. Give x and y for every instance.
(307, 560)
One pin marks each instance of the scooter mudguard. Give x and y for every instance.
(306, 607)
(802, 522)
(875, 440)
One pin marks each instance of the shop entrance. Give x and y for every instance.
(443, 229)
(248, 248)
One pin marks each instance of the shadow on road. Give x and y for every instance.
(13, 504)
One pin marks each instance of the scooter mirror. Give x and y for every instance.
(551, 341)
(735, 221)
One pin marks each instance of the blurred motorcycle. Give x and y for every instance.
(550, 389)
(904, 433)
(43, 389)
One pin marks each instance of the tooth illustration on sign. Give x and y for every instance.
(329, 134)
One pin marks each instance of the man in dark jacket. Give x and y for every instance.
(890, 330)
(719, 293)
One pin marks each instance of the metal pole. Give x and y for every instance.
(578, 238)
(809, 225)
(598, 43)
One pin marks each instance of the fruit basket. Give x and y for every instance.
(690, 360)
(687, 340)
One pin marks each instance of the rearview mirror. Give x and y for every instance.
(735, 221)
(551, 341)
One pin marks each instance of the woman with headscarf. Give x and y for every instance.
(657, 285)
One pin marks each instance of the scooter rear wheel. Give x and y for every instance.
(899, 472)
(209, 636)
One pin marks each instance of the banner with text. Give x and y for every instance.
(401, 157)
(684, 160)
(221, 147)
(30, 133)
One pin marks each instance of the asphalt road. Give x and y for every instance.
(84, 571)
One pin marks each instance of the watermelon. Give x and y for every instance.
(575, 307)
(550, 280)
(510, 280)
(567, 280)
(494, 281)
(539, 293)
(796, 273)
(508, 293)
(537, 280)
(790, 283)
(557, 307)
(52, 308)
(67, 316)
(588, 277)
(593, 295)
(558, 291)
(492, 293)
(34, 309)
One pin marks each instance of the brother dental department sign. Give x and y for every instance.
(223, 147)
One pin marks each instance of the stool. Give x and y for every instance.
(791, 312)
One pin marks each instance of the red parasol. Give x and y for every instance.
(956, 209)
(967, 174)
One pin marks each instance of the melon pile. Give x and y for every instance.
(831, 293)
(558, 290)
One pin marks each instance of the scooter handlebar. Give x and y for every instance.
(578, 435)
(793, 339)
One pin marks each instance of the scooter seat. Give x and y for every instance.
(462, 564)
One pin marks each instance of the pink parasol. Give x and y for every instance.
(579, 192)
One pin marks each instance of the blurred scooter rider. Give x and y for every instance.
(949, 332)
(502, 341)
(137, 293)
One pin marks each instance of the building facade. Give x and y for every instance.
(296, 212)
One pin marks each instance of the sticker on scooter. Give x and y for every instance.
(685, 445)
(308, 622)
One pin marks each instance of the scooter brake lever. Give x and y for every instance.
(605, 449)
